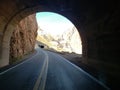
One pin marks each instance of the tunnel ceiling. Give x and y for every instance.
(96, 20)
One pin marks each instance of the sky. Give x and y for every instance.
(53, 23)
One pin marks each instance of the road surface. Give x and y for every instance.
(47, 71)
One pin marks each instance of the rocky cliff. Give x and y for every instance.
(73, 41)
(23, 38)
(69, 41)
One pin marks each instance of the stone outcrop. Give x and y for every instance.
(73, 40)
(23, 38)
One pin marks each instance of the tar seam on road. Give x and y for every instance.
(40, 83)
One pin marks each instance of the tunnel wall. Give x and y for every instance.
(98, 23)
(98, 27)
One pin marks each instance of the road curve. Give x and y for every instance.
(63, 75)
(47, 71)
(23, 76)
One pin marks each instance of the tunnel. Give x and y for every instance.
(98, 23)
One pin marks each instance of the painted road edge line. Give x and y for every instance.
(40, 83)
(17, 65)
(83, 71)
(45, 74)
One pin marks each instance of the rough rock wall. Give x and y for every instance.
(73, 40)
(23, 38)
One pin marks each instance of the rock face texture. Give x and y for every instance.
(73, 40)
(69, 41)
(23, 38)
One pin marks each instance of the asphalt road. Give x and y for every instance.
(48, 71)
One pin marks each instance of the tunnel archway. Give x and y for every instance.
(11, 24)
(97, 22)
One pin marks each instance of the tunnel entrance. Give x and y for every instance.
(54, 32)
(58, 33)
(98, 23)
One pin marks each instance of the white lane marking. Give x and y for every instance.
(89, 75)
(40, 85)
(45, 75)
(83, 71)
(16, 65)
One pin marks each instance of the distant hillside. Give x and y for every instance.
(69, 41)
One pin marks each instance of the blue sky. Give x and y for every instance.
(53, 23)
